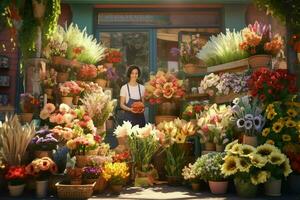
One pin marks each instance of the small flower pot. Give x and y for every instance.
(116, 189)
(273, 187)
(62, 77)
(101, 82)
(82, 161)
(101, 185)
(218, 187)
(258, 61)
(41, 188)
(16, 190)
(250, 140)
(219, 147)
(209, 146)
(195, 186)
(75, 100)
(194, 69)
(67, 100)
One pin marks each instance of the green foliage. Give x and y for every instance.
(282, 9)
(175, 160)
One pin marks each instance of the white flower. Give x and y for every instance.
(64, 108)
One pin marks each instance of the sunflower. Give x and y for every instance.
(230, 166)
(245, 150)
(260, 177)
(271, 114)
(292, 112)
(180, 138)
(286, 167)
(235, 148)
(290, 123)
(277, 126)
(258, 160)
(271, 142)
(265, 149)
(266, 132)
(244, 165)
(286, 137)
(230, 145)
(276, 158)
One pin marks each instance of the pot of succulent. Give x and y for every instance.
(16, 180)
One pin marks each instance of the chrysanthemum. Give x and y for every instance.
(265, 132)
(230, 166)
(277, 126)
(260, 177)
(265, 149)
(276, 158)
(290, 123)
(292, 112)
(286, 137)
(230, 145)
(244, 165)
(258, 160)
(245, 150)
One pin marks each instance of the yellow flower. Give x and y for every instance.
(258, 160)
(270, 142)
(292, 112)
(245, 150)
(270, 107)
(235, 148)
(266, 132)
(290, 123)
(277, 126)
(266, 149)
(71, 144)
(271, 114)
(230, 165)
(260, 177)
(180, 138)
(244, 165)
(286, 167)
(286, 138)
(230, 145)
(276, 158)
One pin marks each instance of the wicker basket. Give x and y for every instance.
(65, 191)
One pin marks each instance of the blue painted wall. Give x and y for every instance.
(83, 16)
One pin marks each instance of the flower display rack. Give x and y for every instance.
(235, 66)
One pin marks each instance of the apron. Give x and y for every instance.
(134, 118)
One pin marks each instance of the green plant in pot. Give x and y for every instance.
(175, 161)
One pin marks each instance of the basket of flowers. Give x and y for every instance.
(66, 191)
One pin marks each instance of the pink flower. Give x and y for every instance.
(59, 119)
(49, 107)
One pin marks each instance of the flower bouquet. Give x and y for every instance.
(88, 87)
(163, 87)
(193, 110)
(248, 118)
(44, 140)
(258, 39)
(189, 50)
(16, 180)
(41, 168)
(87, 72)
(91, 174)
(113, 56)
(69, 89)
(269, 85)
(192, 175)
(282, 125)
(50, 81)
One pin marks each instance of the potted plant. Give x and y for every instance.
(193, 110)
(49, 82)
(209, 168)
(244, 164)
(101, 76)
(28, 104)
(68, 90)
(112, 56)
(87, 72)
(42, 169)
(116, 174)
(272, 85)
(248, 118)
(259, 42)
(75, 175)
(16, 176)
(43, 143)
(175, 161)
(277, 165)
(192, 175)
(90, 174)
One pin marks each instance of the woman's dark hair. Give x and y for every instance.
(131, 68)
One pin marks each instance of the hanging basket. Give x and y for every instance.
(258, 61)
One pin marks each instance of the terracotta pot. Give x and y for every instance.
(174, 180)
(49, 92)
(258, 61)
(218, 187)
(75, 100)
(273, 187)
(116, 189)
(82, 161)
(41, 154)
(62, 77)
(101, 184)
(39, 8)
(167, 108)
(250, 140)
(67, 100)
(101, 82)
(294, 180)
(219, 147)
(245, 188)
(75, 181)
(41, 188)
(209, 146)
(195, 186)
(16, 190)
(25, 117)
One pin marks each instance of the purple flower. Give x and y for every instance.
(43, 132)
(175, 51)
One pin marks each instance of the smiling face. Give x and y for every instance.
(134, 75)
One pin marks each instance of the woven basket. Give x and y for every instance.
(74, 191)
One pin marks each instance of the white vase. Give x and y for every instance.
(41, 188)
(16, 190)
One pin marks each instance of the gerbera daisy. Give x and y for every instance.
(286, 167)
(230, 145)
(271, 142)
